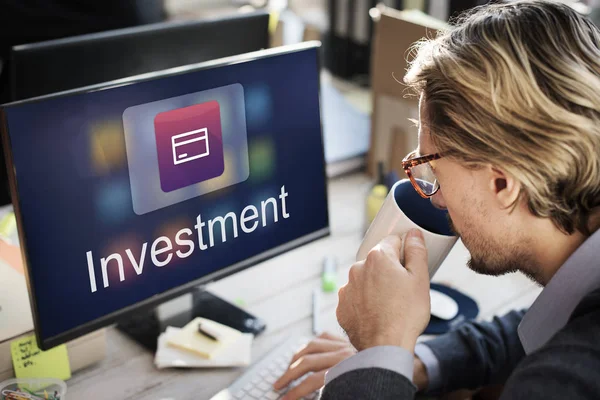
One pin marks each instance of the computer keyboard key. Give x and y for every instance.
(272, 396)
(256, 380)
(248, 387)
(256, 393)
(281, 360)
(264, 386)
(271, 379)
(240, 395)
(264, 373)
(278, 374)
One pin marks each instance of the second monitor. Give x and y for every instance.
(63, 64)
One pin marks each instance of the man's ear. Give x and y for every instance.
(504, 187)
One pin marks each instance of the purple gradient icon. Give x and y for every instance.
(186, 146)
(189, 145)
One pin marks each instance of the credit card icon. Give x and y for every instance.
(189, 146)
(196, 149)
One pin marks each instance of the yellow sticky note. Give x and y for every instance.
(31, 362)
(190, 340)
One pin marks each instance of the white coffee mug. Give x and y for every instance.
(402, 210)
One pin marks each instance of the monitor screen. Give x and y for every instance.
(132, 193)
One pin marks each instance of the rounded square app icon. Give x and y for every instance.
(185, 146)
(189, 145)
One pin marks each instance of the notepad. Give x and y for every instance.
(236, 354)
(31, 362)
(188, 338)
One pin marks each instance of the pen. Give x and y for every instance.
(316, 307)
(208, 332)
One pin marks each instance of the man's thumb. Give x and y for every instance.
(415, 252)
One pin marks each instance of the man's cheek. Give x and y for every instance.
(451, 224)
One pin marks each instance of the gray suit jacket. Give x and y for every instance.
(480, 354)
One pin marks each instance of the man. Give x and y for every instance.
(510, 107)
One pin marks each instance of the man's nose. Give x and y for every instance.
(438, 200)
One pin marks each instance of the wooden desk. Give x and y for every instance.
(279, 290)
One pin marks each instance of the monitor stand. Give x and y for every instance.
(145, 327)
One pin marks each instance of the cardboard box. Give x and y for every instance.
(311, 32)
(393, 135)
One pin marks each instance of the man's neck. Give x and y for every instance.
(552, 248)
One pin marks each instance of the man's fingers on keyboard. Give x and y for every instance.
(313, 383)
(319, 346)
(311, 363)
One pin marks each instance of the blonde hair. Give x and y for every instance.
(517, 85)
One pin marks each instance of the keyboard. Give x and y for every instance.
(256, 383)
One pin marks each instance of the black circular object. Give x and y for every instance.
(467, 311)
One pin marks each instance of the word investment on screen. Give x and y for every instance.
(161, 250)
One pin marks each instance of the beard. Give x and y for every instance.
(493, 258)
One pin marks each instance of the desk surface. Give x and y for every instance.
(280, 292)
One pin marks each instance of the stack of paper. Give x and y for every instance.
(186, 347)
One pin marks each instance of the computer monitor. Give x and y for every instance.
(130, 193)
(63, 64)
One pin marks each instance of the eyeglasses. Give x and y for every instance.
(421, 173)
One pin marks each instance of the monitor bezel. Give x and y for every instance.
(155, 300)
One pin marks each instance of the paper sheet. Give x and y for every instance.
(188, 338)
(238, 353)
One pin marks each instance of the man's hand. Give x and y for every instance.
(317, 357)
(385, 303)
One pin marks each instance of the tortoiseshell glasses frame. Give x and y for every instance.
(410, 161)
